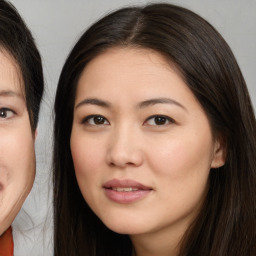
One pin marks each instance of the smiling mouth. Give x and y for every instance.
(125, 191)
(125, 185)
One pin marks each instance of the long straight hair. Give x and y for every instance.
(226, 222)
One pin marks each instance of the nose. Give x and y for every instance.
(124, 149)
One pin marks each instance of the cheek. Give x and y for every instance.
(22, 172)
(87, 160)
(181, 172)
(182, 156)
(27, 161)
(86, 157)
(18, 157)
(17, 172)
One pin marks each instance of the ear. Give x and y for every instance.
(219, 154)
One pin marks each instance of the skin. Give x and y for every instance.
(17, 158)
(173, 158)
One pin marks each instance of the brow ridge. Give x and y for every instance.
(151, 102)
(93, 101)
(9, 93)
(143, 104)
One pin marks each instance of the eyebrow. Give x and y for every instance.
(9, 93)
(93, 101)
(143, 104)
(155, 101)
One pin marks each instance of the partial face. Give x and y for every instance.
(141, 143)
(17, 159)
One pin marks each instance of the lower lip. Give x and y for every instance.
(122, 197)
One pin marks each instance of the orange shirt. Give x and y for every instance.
(6, 243)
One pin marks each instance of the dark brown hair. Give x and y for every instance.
(226, 222)
(17, 40)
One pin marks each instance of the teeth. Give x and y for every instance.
(125, 189)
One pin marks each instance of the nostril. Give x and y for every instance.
(121, 164)
(124, 162)
(130, 163)
(122, 154)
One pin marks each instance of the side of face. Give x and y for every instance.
(17, 157)
(141, 143)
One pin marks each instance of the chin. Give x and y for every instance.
(124, 228)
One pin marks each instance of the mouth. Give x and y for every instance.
(125, 191)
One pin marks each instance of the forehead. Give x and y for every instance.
(131, 69)
(10, 74)
(126, 64)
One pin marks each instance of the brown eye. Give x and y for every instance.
(99, 120)
(95, 120)
(6, 113)
(159, 120)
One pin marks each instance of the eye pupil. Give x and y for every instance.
(3, 113)
(159, 120)
(99, 120)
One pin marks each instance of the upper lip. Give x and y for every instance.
(115, 183)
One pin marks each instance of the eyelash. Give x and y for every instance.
(163, 117)
(103, 121)
(4, 113)
(87, 119)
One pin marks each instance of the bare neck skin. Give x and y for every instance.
(163, 243)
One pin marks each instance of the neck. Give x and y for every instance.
(162, 243)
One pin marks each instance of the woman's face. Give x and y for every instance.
(141, 143)
(17, 158)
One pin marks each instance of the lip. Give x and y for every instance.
(125, 191)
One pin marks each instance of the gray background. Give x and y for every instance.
(56, 25)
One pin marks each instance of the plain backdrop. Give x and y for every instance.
(56, 25)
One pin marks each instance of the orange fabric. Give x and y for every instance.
(6, 243)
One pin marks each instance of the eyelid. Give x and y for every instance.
(87, 118)
(169, 119)
(4, 109)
